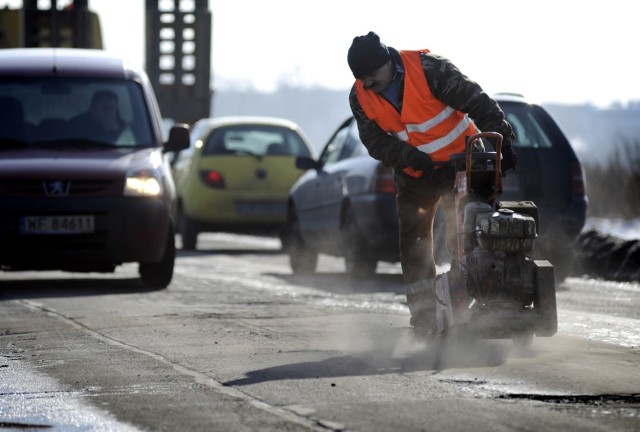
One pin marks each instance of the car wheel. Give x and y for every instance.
(301, 259)
(358, 261)
(158, 275)
(188, 231)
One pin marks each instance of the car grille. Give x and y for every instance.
(71, 188)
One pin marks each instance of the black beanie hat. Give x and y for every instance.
(367, 54)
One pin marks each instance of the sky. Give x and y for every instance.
(551, 51)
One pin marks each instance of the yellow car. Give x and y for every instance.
(236, 175)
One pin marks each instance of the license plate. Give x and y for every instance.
(261, 208)
(77, 224)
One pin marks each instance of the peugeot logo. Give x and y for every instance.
(56, 188)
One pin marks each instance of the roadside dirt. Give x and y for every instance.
(608, 257)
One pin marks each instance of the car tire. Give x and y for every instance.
(301, 259)
(158, 275)
(188, 231)
(358, 261)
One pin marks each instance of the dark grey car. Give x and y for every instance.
(344, 205)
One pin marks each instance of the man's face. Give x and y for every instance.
(104, 111)
(379, 79)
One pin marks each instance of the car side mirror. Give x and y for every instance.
(306, 163)
(178, 139)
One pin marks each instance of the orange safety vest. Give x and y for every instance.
(425, 122)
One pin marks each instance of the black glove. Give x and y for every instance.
(508, 158)
(420, 161)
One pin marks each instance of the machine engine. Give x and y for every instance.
(500, 272)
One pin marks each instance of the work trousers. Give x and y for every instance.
(416, 214)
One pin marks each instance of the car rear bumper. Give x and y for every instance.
(246, 209)
(127, 229)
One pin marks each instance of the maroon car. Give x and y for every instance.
(84, 184)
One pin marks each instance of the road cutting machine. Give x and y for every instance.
(494, 289)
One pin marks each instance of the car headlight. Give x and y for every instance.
(142, 183)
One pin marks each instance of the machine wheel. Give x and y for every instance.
(188, 231)
(544, 301)
(358, 261)
(301, 259)
(158, 275)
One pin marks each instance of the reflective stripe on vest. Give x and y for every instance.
(440, 143)
(425, 122)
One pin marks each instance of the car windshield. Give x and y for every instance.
(255, 140)
(57, 112)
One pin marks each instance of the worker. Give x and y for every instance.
(414, 108)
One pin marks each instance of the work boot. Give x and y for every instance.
(423, 326)
(421, 300)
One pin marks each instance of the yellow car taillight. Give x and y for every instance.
(212, 179)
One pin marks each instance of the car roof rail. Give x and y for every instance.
(512, 94)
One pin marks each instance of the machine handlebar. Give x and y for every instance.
(469, 155)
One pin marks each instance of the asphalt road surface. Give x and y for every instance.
(238, 343)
